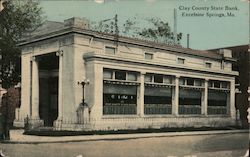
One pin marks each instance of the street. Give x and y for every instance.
(220, 145)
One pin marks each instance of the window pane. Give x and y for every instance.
(148, 56)
(182, 81)
(216, 84)
(158, 78)
(119, 89)
(158, 91)
(210, 84)
(109, 50)
(189, 101)
(120, 75)
(148, 78)
(190, 81)
(217, 102)
(198, 83)
(224, 84)
(157, 100)
(167, 80)
(107, 74)
(132, 76)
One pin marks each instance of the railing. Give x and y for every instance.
(215, 110)
(189, 109)
(157, 109)
(117, 108)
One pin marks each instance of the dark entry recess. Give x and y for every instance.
(48, 88)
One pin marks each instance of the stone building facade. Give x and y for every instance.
(125, 83)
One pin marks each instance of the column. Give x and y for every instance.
(205, 99)
(140, 107)
(35, 89)
(60, 85)
(231, 103)
(175, 102)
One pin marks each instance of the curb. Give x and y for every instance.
(124, 136)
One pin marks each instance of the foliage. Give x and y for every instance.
(152, 29)
(16, 19)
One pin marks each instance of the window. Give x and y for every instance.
(224, 85)
(167, 79)
(107, 74)
(157, 100)
(148, 78)
(120, 75)
(109, 50)
(186, 81)
(217, 102)
(181, 60)
(190, 81)
(216, 84)
(182, 81)
(208, 65)
(210, 84)
(132, 76)
(149, 56)
(158, 78)
(119, 99)
(198, 82)
(189, 101)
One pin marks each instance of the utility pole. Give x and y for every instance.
(114, 28)
(175, 27)
(116, 31)
(188, 40)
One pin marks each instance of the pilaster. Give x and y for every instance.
(35, 89)
(175, 97)
(205, 99)
(140, 95)
(231, 103)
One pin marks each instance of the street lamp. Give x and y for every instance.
(83, 83)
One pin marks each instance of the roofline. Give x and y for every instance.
(122, 39)
(229, 47)
(88, 57)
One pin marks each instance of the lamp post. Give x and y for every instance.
(83, 83)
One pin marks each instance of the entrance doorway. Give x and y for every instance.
(48, 88)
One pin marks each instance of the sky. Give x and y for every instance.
(199, 18)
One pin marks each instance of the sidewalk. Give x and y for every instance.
(18, 137)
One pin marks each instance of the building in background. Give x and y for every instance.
(74, 78)
(242, 54)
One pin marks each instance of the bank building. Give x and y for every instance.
(74, 78)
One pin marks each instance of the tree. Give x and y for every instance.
(16, 19)
(152, 29)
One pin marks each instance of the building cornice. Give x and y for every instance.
(122, 39)
(93, 56)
